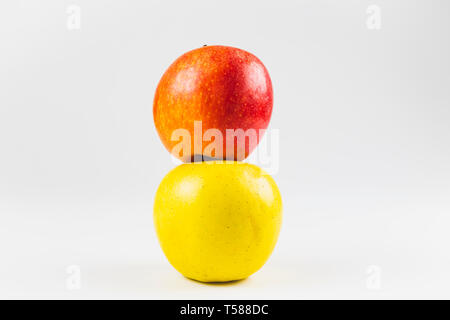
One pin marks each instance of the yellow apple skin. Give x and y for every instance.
(217, 221)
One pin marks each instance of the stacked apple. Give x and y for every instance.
(217, 218)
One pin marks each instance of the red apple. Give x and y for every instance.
(221, 97)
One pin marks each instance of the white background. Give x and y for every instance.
(364, 156)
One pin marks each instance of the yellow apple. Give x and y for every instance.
(217, 221)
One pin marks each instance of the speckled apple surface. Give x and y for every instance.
(224, 87)
(217, 221)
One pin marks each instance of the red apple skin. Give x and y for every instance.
(224, 87)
